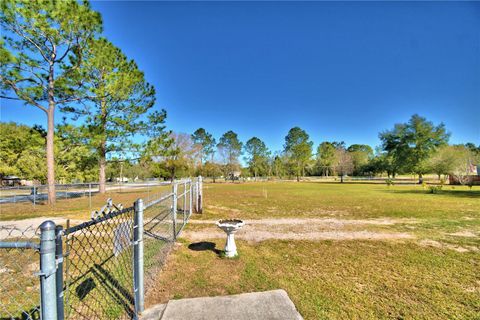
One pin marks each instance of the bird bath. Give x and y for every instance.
(230, 226)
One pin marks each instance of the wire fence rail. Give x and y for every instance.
(98, 269)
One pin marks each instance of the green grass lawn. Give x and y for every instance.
(432, 275)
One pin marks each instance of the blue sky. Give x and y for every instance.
(341, 71)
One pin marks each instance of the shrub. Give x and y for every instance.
(390, 182)
(435, 189)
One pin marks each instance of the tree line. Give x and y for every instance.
(417, 147)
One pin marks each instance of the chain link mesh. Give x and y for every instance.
(98, 261)
(158, 236)
(99, 268)
(19, 283)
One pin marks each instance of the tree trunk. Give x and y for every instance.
(52, 195)
(101, 174)
(420, 178)
(341, 178)
(50, 152)
(103, 149)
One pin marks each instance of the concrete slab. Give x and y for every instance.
(154, 313)
(268, 305)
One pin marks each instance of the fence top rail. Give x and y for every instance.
(97, 221)
(19, 245)
(154, 202)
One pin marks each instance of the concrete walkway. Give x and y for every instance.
(268, 305)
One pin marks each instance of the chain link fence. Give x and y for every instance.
(32, 200)
(19, 267)
(98, 269)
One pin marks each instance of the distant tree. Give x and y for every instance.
(444, 160)
(40, 49)
(230, 146)
(174, 158)
(471, 146)
(298, 148)
(118, 100)
(76, 161)
(205, 144)
(343, 163)
(278, 164)
(326, 157)
(361, 154)
(257, 156)
(212, 170)
(410, 144)
(22, 151)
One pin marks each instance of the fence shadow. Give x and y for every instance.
(32, 314)
(120, 294)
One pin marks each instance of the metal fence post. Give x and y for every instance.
(196, 195)
(184, 201)
(190, 209)
(138, 256)
(90, 195)
(47, 271)
(59, 273)
(174, 210)
(34, 196)
(200, 194)
(148, 191)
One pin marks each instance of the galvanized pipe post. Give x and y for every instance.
(148, 191)
(190, 208)
(184, 201)
(90, 195)
(138, 257)
(174, 210)
(200, 194)
(47, 271)
(59, 272)
(196, 195)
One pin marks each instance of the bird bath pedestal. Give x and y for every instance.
(230, 226)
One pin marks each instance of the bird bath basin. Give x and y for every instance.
(230, 226)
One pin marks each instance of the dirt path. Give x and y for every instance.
(302, 229)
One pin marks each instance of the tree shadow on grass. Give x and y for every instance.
(451, 193)
(205, 246)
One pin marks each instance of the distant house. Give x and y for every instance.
(123, 179)
(235, 175)
(473, 178)
(11, 181)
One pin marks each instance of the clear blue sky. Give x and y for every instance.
(341, 71)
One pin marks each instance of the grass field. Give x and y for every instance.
(351, 251)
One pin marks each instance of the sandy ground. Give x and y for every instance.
(27, 228)
(302, 229)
